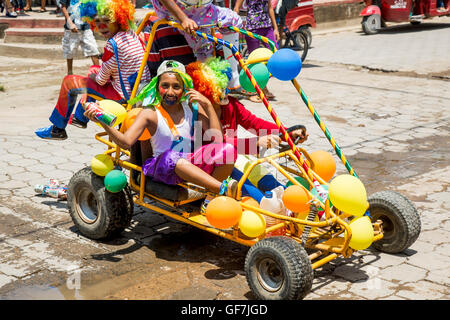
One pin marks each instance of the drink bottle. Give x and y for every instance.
(270, 202)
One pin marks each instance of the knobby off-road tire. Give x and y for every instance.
(278, 268)
(401, 221)
(96, 212)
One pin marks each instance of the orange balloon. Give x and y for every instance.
(324, 164)
(223, 212)
(250, 201)
(129, 119)
(296, 199)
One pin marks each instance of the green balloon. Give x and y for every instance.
(259, 72)
(301, 180)
(115, 181)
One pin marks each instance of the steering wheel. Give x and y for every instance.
(283, 146)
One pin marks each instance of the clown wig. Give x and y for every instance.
(210, 78)
(117, 11)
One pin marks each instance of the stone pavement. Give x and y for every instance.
(394, 130)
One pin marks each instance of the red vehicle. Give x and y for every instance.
(378, 12)
(302, 18)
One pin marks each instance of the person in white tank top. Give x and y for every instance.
(171, 95)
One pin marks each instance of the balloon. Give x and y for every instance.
(260, 73)
(252, 224)
(101, 164)
(115, 108)
(223, 212)
(302, 181)
(218, 35)
(129, 119)
(285, 64)
(324, 164)
(362, 233)
(115, 181)
(250, 201)
(347, 193)
(260, 53)
(296, 199)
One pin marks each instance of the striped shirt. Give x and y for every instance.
(168, 44)
(131, 52)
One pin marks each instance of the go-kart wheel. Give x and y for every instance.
(96, 212)
(371, 24)
(401, 221)
(278, 268)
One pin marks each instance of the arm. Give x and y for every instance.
(146, 119)
(238, 5)
(188, 25)
(274, 21)
(207, 114)
(107, 67)
(70, 23)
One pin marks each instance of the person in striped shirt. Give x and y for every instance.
(114, 79)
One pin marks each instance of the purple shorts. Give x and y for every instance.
(253, 44)
(207, 158)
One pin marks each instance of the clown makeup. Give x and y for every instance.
(107, 28)
(170, 88)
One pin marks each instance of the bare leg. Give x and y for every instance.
(95, 61)
(43, 5)
(69, 66)
(223, 172)
(191, 173)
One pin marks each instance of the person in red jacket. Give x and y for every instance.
(211, 78)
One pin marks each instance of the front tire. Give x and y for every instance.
(278, 268)
(96, 212)
(401, 221)
(371, 24)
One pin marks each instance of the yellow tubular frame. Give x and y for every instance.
(329, 245)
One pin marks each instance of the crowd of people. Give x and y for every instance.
(184, 89)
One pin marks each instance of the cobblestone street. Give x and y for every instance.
(393, 127)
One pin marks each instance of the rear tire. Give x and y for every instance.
(307, 32)
(401, 221)
(371, 24)
(96, 212)
(278, 268)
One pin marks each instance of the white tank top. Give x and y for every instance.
(163, 138)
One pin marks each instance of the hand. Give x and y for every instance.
(277, 34)
(90, 114)
(300, 133)
(93, 76)
(189, 26)
(73, 27)
(269, 141)
(194, 95)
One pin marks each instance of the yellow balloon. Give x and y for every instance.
(252, 224)
(347, 193)
(115, 108)
(362, 233)
(101, 164)
(260, 53)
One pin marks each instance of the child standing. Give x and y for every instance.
(114, 80)
(77, 33)
(260, 20)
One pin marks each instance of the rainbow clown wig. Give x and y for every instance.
(210, 78)
(117, 11)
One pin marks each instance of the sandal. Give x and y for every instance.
(255, 98)
(27, 9)
(43, 10)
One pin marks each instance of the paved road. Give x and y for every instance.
(394, 130)
(420, 49)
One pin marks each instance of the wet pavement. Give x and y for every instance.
(394, 129)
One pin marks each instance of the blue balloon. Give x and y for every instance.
(285, 64)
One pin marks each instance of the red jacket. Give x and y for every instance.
(235, 114)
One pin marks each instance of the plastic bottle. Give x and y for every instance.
(54, 191)
(271, 203)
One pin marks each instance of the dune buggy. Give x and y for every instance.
(277, 267)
